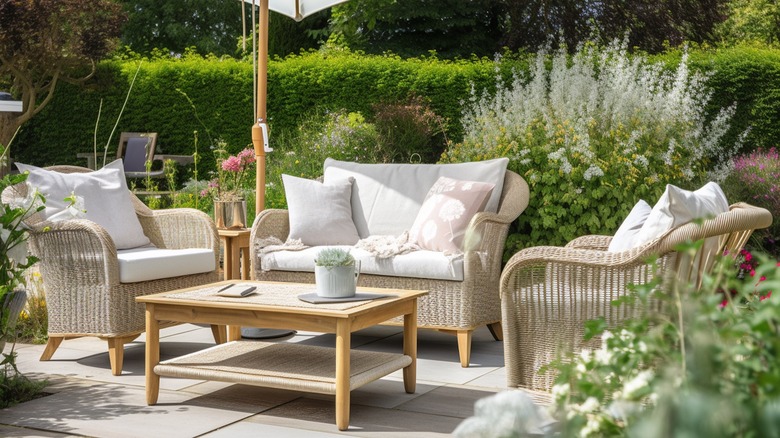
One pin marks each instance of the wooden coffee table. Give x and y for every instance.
(282, 365)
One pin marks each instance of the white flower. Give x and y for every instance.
(593, 171)
(591, 428)
(590, 405)
(633, 386)
(560, 391)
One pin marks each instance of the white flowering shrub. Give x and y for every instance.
(593, 133)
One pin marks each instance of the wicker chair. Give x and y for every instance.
(456, 307)
(548, 293)
(78, 263)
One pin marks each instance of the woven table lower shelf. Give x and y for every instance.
(281, 365)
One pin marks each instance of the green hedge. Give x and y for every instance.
(221, 91)
(747, 76)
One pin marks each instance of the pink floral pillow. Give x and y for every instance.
(446, 212)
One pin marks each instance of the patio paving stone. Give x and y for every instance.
(86, 400)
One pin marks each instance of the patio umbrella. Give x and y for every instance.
(297, 10)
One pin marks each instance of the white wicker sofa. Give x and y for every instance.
(385, 201)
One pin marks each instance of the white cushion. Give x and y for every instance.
(320, 214)
(678, 207)
(416, 264)
(387, 197)
(444, 217)
(144, 264)
(106, 199)
(623, 239)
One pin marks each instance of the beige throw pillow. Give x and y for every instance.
(106, 199)
(320, 214)
(446, 212)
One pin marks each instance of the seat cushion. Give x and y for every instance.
(416, 264)
(387, 197)
(106, 199)
(149, 263)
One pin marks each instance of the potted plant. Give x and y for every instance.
(227, 188)
(336, 273)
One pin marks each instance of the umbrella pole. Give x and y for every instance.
(262, 90)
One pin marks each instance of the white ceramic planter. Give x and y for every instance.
(337, 281)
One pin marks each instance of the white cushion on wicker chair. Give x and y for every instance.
(624, 237)
(106, 199)
(144, 264)
(417, 264)
(678, 206)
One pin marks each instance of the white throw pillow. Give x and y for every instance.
(320, 214)
(446, 212)
(678, 207)
(106, 199)
(623, 239)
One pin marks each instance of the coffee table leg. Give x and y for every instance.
(343, 342)
(152, 355)
(410, 349)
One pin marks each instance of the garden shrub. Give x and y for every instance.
(592, 134)
(706, 366)
(341, 135)
(409, 132)
(755, 178)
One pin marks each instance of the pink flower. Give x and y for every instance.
(768, 295)
(232, 164)
(247, 156)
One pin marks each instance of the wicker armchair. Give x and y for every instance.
(78, 263)
(456, 307)
(549, 292)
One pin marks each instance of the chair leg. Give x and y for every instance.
(51, 347)
(464, 347)
(116, 352)
(496, 330)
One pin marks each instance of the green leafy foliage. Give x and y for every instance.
(704, 366)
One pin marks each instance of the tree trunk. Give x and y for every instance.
(9, 123)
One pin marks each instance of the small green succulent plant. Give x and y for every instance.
(331, 257)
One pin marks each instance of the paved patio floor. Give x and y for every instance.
(86, 400)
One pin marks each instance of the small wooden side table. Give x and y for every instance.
(236, 244)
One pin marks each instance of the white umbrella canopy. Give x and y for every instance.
(297, 10)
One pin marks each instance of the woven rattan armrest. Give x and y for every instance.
(179, 228)
(593, 241)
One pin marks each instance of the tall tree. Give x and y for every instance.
(210, 26)
(649, 24)
(43, 42)
(414, 27)
(751, 20)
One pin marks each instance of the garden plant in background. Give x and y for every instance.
(755, 179)
(409, 131)
(234, 174)
(14, 262)
(593, 133)
(701, 367)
